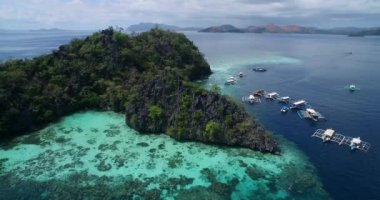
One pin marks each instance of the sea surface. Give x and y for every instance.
(96, 154)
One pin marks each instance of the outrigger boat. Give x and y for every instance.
(298, 104)
(272, 95)
(285, 99)
(330, 135)
(310, 113)
(253, 99)
(230, 81)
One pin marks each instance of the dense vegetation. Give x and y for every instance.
(147, 76)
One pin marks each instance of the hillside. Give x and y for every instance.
(148, 77)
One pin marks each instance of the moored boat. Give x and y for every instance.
(259, 69)
(298, 104)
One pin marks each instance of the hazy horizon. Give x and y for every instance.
(99, 14)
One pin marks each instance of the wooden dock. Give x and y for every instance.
(342, 139)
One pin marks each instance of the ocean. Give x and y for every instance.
(316, 68)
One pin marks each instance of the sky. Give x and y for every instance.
(97, 14)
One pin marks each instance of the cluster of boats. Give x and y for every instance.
(304, 110)
(232, 80)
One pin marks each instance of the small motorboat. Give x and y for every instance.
(285, 109)
(259, 69)
(241, 74)
(352, 88)
(230, 82)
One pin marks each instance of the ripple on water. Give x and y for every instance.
(96, 155)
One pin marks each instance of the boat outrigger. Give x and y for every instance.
(331, 135)
(272, 95)
(298, 104)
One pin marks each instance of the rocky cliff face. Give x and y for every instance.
(189, 113)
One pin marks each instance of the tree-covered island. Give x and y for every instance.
(148, 77)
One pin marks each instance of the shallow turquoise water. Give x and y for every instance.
(95, 155)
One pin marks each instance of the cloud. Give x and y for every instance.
(85, 14)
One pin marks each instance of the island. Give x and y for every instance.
(149, 77)
(296, 29)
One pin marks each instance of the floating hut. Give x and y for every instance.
(330, 135)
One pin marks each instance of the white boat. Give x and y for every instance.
(352, 87)
(285, 99)
(298, 104)
(327, 135)
(272, 95)
(252, 99)
(230, 81)
(314, 115)
(241, 74)
(284, 109)
(355, 143)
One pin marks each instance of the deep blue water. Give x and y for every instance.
(311, 67)
(26, 44)
(318, 74)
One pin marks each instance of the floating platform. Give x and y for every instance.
(331, 135)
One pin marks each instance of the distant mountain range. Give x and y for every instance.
(273, 28)
(146, 26)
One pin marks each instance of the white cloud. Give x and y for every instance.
(99, 13)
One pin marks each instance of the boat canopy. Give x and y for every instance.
(311, 111)
(272, 94)
(285, 98)
(298, 103)
(356, 140)
(251, 97)
(329, 133)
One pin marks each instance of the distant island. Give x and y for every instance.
(146, 26)
(273, 28)
(148, 77)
